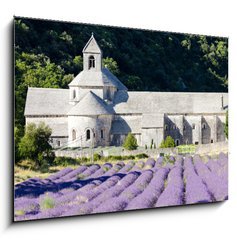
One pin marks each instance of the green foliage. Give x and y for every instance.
(226, 125)
(65, 161)
(145, 146)
(167, 143)
(35, 144)
(111, 64)
(36, 70)
(81, 176)
(17, 138)
(130, 142)
(152, 143)
(97, 157)
(134, 82)
(20, 212)
(141, 155)
(48, 54)
(162, 145)
(47, 203)
(186, 149)
(115, 158)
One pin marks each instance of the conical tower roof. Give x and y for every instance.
(97, 79)
(92, 46)
(89, 105)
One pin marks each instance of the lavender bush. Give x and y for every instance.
(118, 187)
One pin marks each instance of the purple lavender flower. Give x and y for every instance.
(214, 183)
(111, 205)
(173, 192)
(150, 163)
(195, 191)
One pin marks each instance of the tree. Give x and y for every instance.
(35, 70)
(35, 144)
(17, 138)
(167, 143)
(130, 142)
(111, 64)
(226, 125)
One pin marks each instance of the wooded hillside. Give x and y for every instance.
(49, 54)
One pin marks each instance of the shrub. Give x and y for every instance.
(116, 157)
(35, 144)
(167, 143)
(145, 146)
(141, 155)
(97, 156)
(47, 203)
(162, 145)
(81, 176)
(130, 142)
(17, 138)
(129, 157)
(85, 159)
(65, 161)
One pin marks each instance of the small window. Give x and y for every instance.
(211, 140)
(177, 142)
(193, 126)
(184, 128)
(88, 134)
(166, 127)
(196, 143)
(74, 94)
(58, 143)
(204, 126)
(102, 134)
(74, 134)
(91, 62)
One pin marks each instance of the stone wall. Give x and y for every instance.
(95, 124)
(195, 128)
(203, 149)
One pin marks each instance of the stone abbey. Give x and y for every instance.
(98, 110)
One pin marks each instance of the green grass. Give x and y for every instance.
(47, 203)
(19, 212)
(186, 149)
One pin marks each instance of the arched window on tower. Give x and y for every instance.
(88, 134)
(91, 62)
(74, 134)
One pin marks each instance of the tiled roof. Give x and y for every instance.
(47, 101)
(97, 79)
(90, 104)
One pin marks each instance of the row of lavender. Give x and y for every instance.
(118, 187)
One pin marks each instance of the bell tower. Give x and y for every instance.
(92, 56)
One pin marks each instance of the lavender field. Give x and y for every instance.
(121, 187)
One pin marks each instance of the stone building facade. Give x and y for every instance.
(98, 110)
